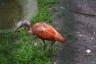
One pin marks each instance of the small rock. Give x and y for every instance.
(62, 7)
(88, 51)
(94, 33)
(80, 35)
(92, 38)
(54, 62)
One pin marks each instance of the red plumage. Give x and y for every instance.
(46, 32)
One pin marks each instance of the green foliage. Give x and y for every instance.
(44, 15)
(44, 11)
(29, 54)
(20, 47)
(47, 3)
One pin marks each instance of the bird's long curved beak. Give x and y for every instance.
(17, 28)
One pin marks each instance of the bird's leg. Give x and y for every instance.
(52, 43)
(51, 46)
(44, 44)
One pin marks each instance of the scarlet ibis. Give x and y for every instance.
(42, 30)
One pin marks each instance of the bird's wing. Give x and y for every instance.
(46, 34)
(57, 35)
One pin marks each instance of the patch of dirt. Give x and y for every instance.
(81, 47)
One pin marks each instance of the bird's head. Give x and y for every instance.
(25, 24)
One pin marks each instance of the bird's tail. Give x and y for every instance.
(60, 38)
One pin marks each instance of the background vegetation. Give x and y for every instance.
(21, 48)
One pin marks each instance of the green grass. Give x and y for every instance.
(44, 11)
(20, 48)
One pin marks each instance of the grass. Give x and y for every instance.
(20, 48)
(44, 11)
